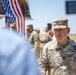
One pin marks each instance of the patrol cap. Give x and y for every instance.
(29, 26)
(60, 23)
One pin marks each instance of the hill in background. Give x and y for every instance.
(72, 36)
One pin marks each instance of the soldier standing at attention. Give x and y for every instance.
(59, 55)
(33, 38)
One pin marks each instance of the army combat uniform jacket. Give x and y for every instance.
(59, 58)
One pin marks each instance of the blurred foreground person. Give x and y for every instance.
(16, 56)
(59, 56)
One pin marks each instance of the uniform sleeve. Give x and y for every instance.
(43, 60)
(74, 57)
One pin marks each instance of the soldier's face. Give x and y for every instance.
(30, 29)
(61, 33)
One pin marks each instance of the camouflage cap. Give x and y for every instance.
(60, 23)
(28, 26)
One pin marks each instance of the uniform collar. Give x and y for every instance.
(67, 46)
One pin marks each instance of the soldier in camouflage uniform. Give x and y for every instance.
(44, 38)
(34, 40)
(29, 30)
(59, 55)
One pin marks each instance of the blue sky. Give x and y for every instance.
(45, 11)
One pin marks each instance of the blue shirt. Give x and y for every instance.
(28, 34)
(16, 56)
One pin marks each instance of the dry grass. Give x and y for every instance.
(73, 36)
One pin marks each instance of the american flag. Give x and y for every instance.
(13, 12)
(20, 19)
(9, 16)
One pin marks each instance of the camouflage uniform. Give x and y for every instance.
(34, 40)
(44, 38)
(59, 58)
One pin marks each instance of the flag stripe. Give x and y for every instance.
(22, 17)
(18, 12)
(14, 13)
(13, 7)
